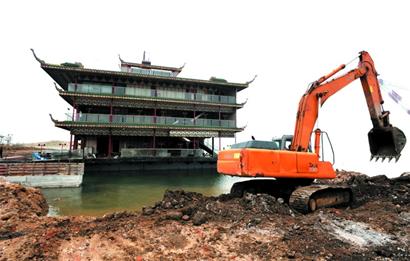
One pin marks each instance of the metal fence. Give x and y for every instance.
(162, 152)
(158, 120)
(147, 92)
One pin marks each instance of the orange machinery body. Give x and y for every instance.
(248, 162)
(385, 140)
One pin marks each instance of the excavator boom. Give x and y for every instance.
(296, 167)
(385, 141)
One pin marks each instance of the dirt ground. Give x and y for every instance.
(190, 226)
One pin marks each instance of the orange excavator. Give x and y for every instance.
(290, 159)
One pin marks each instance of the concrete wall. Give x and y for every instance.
(44, 174)
(47, 181)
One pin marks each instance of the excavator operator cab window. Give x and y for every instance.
(256, 144)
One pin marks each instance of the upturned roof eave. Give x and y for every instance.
(50, 67)
(67, 125)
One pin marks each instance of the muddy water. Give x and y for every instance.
(107, 193)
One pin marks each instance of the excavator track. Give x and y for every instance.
(300, 194)
(309, 198)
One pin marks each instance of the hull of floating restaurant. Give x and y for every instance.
(146, 166)
(43, 174)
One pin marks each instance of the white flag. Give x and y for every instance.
(393, 93)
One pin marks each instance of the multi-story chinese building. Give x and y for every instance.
(144, 110)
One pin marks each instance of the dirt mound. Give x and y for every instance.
(18, 204)
(17, 201)
(191, 226)
(367, 188)
(343, 177)
(195, 207)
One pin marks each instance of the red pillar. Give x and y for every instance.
(110, 119)
(109, 146)
(71, 142)
(154, 140)
(212, 146)
(219, 133)
(154, 143)
(72, 119)
(75, 146)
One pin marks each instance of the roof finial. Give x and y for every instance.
(57, 88)
(121, 60)
(182, 67)
(243, 103)
(52, 119)
(35, 56)
(251, 81)
(145, 60)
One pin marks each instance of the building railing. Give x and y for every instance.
(148, 120)
(151, 93)
(162, 152)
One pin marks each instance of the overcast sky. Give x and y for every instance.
(286, 43)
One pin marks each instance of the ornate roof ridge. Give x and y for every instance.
(128, 74)
(150, 66)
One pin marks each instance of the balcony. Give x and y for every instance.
(149, 93)
(152, 120)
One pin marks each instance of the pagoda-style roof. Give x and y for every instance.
(70, 73)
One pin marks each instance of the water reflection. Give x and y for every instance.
(102, 194)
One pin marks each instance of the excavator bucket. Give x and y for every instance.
(386, 143)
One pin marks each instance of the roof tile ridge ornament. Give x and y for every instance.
(251, 81)
(152, 66)
(121, 60)
(58, 88)
(35, 56)
(243, 103)
(52, 119)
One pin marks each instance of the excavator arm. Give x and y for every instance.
(295, 170)
(385, 140)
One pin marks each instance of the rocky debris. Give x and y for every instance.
(405, 174)
(19, 202)
(199, 218)
(343, 177)
(367, 188)
(191, 226)
(201, 209)
(174, 215)
(147, 211)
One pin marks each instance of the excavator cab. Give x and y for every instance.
(386, 142)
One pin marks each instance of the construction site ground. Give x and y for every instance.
(190, 226)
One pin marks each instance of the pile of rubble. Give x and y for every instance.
(191, 206)
(190, 226)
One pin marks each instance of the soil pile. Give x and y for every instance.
(190, 226)
(190, 206)
(19, 202)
